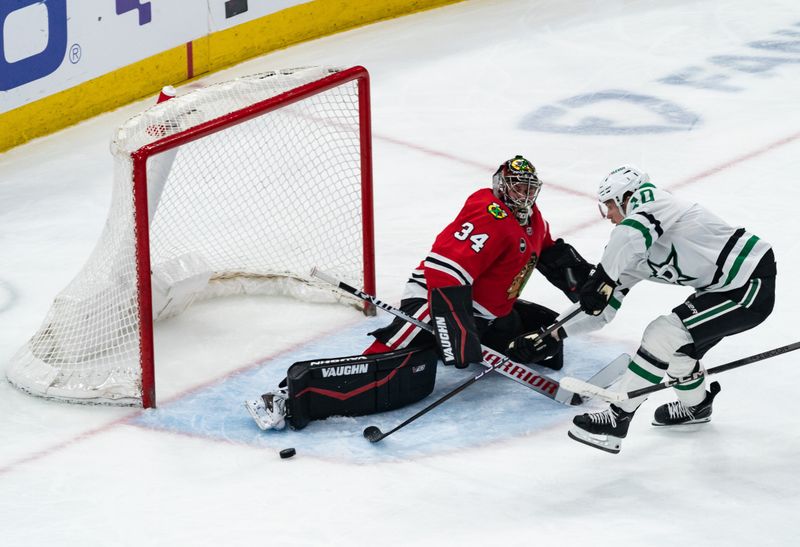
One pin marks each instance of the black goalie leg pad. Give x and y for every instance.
(454, 324)
(358, 385)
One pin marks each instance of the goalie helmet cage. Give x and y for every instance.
(239, 187)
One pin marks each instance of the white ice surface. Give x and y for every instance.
(455, 91)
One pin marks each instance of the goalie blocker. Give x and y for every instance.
(358, 385)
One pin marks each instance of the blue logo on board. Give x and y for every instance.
(23, 71)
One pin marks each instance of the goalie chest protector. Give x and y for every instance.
(358, 385)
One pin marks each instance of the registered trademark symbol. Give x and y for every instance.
(74, 53)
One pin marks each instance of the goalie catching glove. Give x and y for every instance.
(565, 268)
(535, 348)
(596, 292)
(454, 325)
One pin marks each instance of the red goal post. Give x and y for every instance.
(240, 187)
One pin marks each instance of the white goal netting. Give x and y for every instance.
(251, 205)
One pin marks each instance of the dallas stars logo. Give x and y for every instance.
(669, 270)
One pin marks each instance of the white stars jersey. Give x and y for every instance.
(486, 247)
(667, 240)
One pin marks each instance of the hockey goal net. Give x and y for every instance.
(239, 187)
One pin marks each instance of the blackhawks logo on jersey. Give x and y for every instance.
(496, 211)
(522, 278)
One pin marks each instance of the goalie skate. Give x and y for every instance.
(269, 410)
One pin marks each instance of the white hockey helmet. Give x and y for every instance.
(517, 184)
(619, 183)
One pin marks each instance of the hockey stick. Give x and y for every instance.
(540, 383)
(584, 388)
(373, 434)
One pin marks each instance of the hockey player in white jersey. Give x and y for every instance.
(661, 238)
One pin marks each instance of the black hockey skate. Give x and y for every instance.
(603, 430)
(675, 413)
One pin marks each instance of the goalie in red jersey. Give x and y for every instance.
(470, 281)
(468, 287)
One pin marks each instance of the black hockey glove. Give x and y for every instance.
(596, 292)
(454, 325)
(534, 348)
(565, 268)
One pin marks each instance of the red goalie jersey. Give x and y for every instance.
(486, 247)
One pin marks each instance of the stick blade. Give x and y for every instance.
(590, 390)
(327, 278)
(609, 374)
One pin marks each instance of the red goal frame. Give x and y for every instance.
(140, 157)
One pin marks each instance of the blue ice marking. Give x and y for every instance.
(494, 409)
(546, 118)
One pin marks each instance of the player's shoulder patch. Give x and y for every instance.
(496, 211)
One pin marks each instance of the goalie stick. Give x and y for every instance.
(373, 434)
(590, 390)
(522, 374)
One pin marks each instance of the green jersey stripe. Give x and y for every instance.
(711, 313)
(639, 371)
(648, 239)
(687, 387)
(755, 286)
(614, 303)
(737, 264)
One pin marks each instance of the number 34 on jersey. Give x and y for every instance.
(478, 240)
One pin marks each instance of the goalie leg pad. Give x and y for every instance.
(359, 384)
(454, 324)
(400, 333)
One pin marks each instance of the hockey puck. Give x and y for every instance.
(287, 453)
(373, 434)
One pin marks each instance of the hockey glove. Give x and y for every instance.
(454, 325)
(565, 268)
(534, 348)
(596, 292)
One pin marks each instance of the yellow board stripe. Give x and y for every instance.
(92, 97)
(209, 54)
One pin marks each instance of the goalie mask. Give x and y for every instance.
(517, 184)
(618, 184)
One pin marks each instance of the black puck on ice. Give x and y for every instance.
(287, 453)
(373, 434)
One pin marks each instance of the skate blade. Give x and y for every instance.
(606, 443)
(690, 422)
